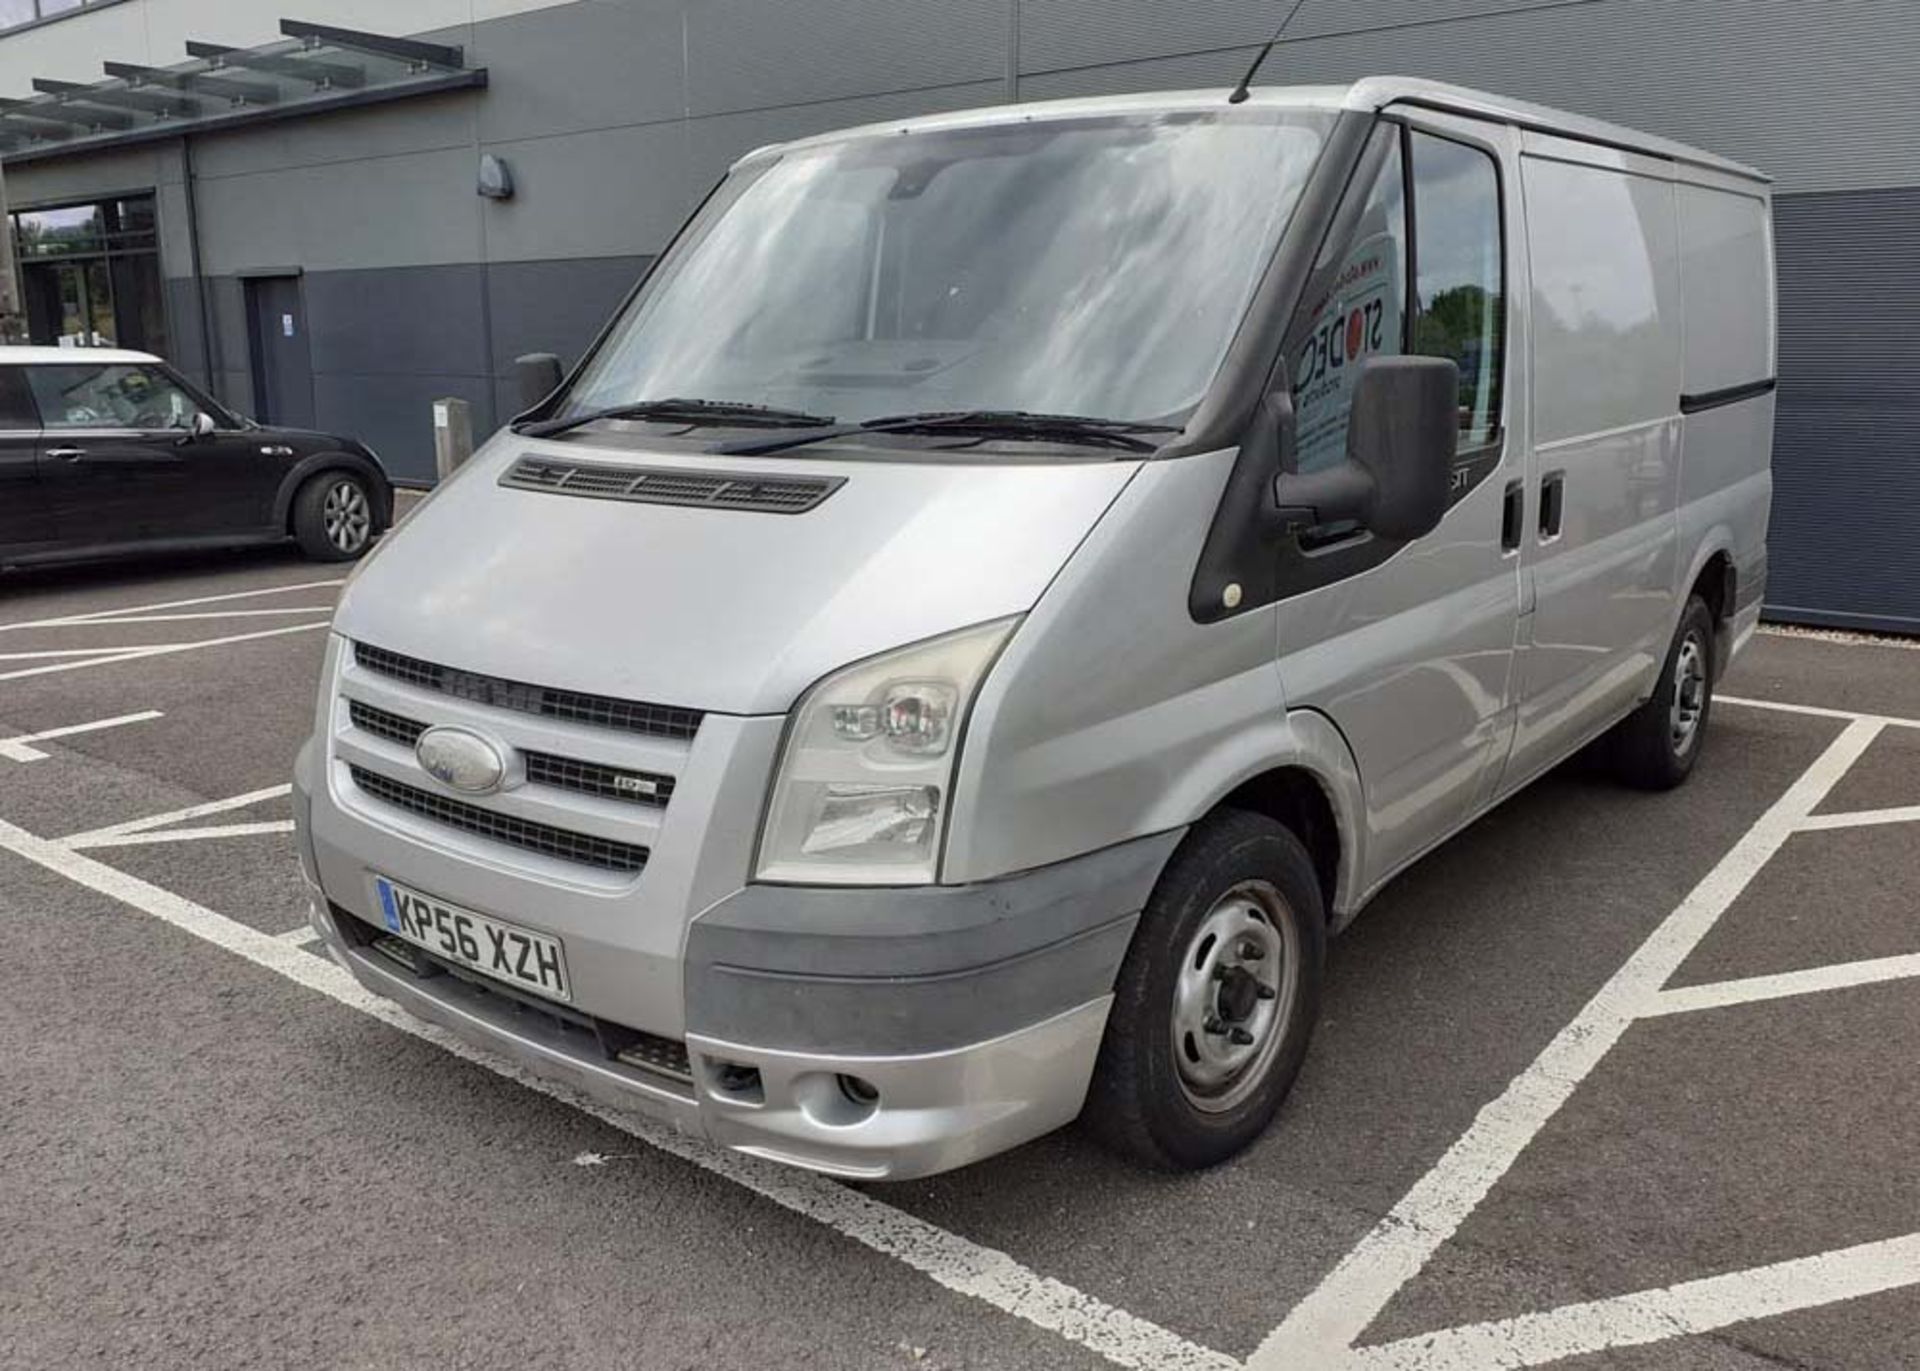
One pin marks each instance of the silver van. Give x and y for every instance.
(1008, 585)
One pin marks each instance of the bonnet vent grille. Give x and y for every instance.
(668, 486)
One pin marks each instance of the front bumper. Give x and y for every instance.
(865, 1033)
(930, 1112)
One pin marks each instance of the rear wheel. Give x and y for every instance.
(1656, 746)
(1216, 1000)
(333, 516)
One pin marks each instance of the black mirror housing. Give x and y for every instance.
(536, 376)
(1402, 432)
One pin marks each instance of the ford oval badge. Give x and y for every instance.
(462, 759)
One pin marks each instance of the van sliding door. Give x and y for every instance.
(1599, 536)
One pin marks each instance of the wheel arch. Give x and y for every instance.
(318, 463)
(1312, 786)
(1714, 576)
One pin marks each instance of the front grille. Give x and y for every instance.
(599, 711)
(543, 768)
(565, 844)
(666, 486)
(595, 778)
(379, 722)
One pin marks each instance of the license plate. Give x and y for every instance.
(504, 951)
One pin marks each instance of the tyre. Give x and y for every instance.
(1216, 999)
(334, 516)
(1655, 747)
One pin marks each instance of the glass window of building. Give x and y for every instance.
(90, 274)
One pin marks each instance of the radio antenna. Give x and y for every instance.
(1240, 92)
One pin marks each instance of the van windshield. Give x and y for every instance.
(1089, 267)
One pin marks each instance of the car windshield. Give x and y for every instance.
(1093, 267)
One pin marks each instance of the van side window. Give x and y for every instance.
(1459, 287)
(1355, 308)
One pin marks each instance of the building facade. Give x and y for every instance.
(298, 217)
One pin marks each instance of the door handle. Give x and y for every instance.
(66, 454)
(1512, 515)
(1553, 504)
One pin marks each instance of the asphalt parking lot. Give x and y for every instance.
(1613, 1080)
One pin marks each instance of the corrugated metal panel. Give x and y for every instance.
(748, 54)
(1821, 96)
(1845, 542)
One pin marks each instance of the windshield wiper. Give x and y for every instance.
(684, 411)
(986, 423)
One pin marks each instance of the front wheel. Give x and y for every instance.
(1655, 747)
(333, 516)
(1216, 1000)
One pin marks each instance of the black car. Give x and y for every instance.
(105, 452)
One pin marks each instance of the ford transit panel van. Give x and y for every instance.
(1008, 586)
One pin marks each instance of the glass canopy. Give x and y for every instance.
(315, 67)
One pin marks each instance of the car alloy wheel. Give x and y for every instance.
(346, 516)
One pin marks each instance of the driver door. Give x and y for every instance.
(117, 455)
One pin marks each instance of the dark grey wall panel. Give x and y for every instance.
(400, 320)
(394, 414)
(715, 142)
(748, 54)
(604, 193)
(554, 307)
(422, 124)
(1822, 96)
(1065, 33)
(598, 64)
(1845, 543)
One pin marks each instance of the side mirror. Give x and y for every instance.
(536, 375)
(201, 425)
(1402, 432)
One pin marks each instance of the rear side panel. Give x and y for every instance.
(1726, 482)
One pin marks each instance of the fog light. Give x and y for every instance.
(860, 1092)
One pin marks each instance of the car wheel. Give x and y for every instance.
(1216, 999)
(1656, 746)
(333, 517)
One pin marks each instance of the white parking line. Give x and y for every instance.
(63, 620)
(181, 835)
(1815, 711)
(208, 614)
(1684, 999)
(20, 749)
(93, 836)
(964, 1267)
(1861, 818)
(1651, 1316)
(1322, 1329)
(111, 655)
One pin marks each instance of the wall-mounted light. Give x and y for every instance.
(496, 178)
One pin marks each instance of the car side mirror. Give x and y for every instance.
(536, 376)
(1402, 432)
(201, 425)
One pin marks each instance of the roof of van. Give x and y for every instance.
(1368, 94)
(31, 356)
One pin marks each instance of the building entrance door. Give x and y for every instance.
(282, 363)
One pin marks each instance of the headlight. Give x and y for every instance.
(866, 778)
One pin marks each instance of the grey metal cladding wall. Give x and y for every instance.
(1068, 33)
(1822, 95)
(749, 54)
(1845, 542)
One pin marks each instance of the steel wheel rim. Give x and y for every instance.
(1233, 996)
(1689, 693)
(346, 517)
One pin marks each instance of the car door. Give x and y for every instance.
(26, 519)
(117, 453)
(1408, 648)
(1601, 542)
